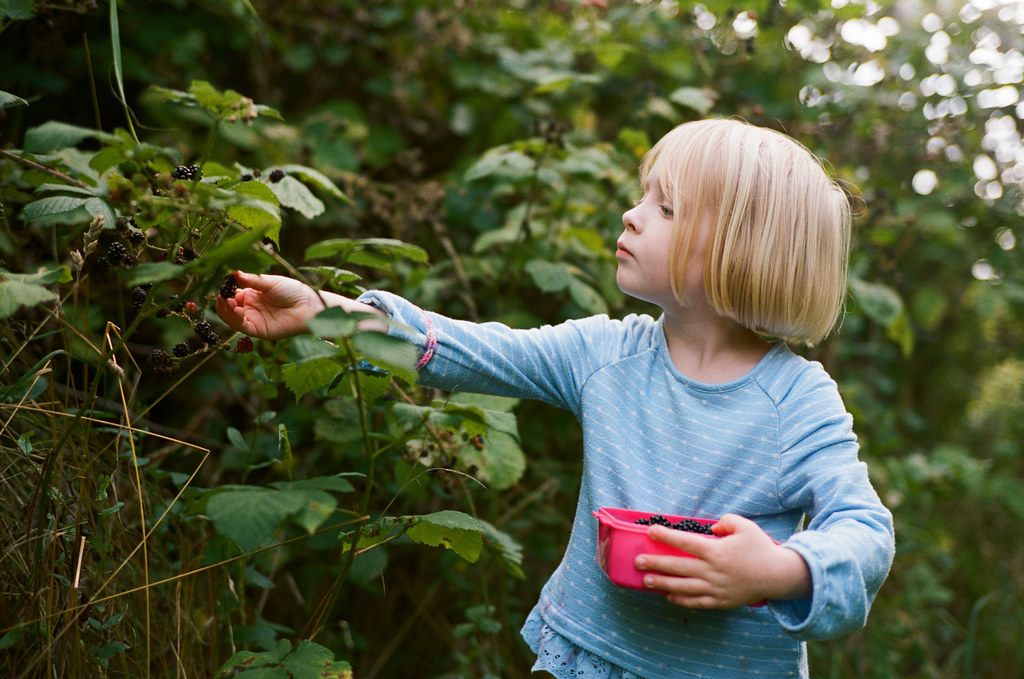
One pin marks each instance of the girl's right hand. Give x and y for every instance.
(271, 307)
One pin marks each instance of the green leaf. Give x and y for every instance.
(549, 276)
(310, 659)
(318, 179)
(306, 376)
(389, 353)
(507, 549)
(292, 193)
(500, 463)
(152, 272)
(264, 673)
(8, 100)
(331, 483)
(452, 530)
(335, 322)
(16, 294)
(108, 651)
(509, 165)
(700, 100)
(371, 386)
(251, 659)
(251, 516)
(53, 135)
(587, 297)
(377, 252)
(257, 209)
(52, 206)
(879, 302)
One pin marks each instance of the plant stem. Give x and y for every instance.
(42, 168)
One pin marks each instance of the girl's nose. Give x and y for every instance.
(629, 219)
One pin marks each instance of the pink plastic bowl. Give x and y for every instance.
(620, 539)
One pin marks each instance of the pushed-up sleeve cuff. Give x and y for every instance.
(411, 324)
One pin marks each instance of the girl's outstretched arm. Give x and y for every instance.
(271, 307)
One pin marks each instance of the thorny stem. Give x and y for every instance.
(42, 168)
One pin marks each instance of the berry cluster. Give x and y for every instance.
(690, 525)
(187, 172)
(206, 333)
(276, 175)
(229, 287)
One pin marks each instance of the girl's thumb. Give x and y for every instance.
(728, 524)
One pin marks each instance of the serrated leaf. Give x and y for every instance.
(390, 353)
(252, 659)
(291, 193)
(335, 322)
(316, 178)
(310, 659)
(17, 10)
(306, 376)
(378, 252)
(504, 545)
(16, 294)
(500, 463)
(52, 206)
(371, 386)
(152, 272)
(251, 516)
(452, 530)
(257, 208)
(54, 135)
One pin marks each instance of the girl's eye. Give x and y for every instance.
(667, 211)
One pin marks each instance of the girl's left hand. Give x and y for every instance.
(742, 567)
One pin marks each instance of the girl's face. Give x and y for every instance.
(645, 252)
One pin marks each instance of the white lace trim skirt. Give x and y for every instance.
(564, 659)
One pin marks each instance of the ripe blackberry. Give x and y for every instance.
(689, 525)
(188, 254)
(138, 295)
(246, 177)
(159, 357)
(229, 287)
(203, 327)
(243, 345)
(116, 251)
(121, 224)
(182, 349)
(276, 175)
(197, 172)
(129, 261)
(182, 172)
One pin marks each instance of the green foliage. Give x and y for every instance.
(215, 512)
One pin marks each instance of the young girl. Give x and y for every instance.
(740, 236)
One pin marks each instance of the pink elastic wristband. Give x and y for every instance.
(428, 353)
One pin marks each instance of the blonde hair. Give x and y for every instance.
(777, 254)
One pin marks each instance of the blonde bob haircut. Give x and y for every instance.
(778, 246)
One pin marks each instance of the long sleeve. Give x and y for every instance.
(848, 542)
(550, 363)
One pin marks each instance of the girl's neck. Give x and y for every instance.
(709, 348)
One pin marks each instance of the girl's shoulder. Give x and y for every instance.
(628, 335)
(789, 377)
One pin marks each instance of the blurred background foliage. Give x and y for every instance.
(501, 139)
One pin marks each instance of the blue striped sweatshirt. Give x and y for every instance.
(775, 446)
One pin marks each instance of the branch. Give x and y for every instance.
(42, 168)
